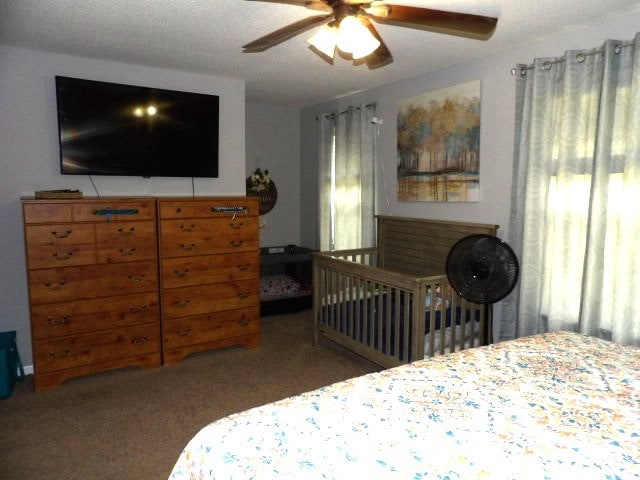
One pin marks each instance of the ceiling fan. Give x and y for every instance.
(346, 28)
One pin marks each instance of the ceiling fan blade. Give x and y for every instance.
(451, 23)
(381, 56)
(311, 4)
(285, 33)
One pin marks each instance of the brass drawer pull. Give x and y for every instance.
(236, 243)
(54, 322)
(64, 354)
(243, 322)
(187, 247)
(137, 278)
(243, 294)
(127, 232)
(182, 273)
(134, 309)
(184, 304)
(236, 225)
(139, 340)
(55, 285)
(64, 234)
(187, 228)
(244, 266)
(65, 256)
(183, 333)
(126, 253)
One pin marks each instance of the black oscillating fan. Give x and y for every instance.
(482, 268)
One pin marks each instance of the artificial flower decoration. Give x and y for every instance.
(259, 181)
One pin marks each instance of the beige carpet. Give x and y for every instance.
(133, 423)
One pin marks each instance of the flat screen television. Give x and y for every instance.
(115, 129)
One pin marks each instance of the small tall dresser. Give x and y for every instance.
(209, 263)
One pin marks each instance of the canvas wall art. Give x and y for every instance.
(438, 154)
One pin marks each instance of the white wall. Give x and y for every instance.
(29, 156)
(497, 130)
(273, 143)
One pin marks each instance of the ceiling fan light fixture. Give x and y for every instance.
(355, 39)
(325, 40)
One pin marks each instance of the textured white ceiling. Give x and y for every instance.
(206, 36)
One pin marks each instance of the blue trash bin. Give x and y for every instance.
(11, 369)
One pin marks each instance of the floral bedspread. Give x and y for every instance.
(556, 406)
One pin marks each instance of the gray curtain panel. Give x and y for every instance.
(346, 175)
(575, 208)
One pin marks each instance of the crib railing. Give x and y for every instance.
(381, 314)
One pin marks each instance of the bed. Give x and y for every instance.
(557, 406)
(393, 304)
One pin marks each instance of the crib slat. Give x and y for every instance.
(398, 322)
(406, 339)
(378, 315)
(463, 324)
(453, 308)
(367, 314)
(357, 317)
(388, 320)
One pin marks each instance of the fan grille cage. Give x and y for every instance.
(482, 268)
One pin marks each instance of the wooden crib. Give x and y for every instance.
(393, 304)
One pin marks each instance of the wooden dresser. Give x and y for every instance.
(93, 286)
(209, 264)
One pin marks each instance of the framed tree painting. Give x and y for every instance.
(438, 153)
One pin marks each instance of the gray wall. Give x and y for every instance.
(273, 143)
(497, 131)
(29, 156)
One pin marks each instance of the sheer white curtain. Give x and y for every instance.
(346, 176)
(575, 216)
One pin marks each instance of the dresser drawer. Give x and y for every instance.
(59, 234)
(37, 212)
(114, 210)
(60, 245)
(70, 283)
(205, 237)
(80, 316)
(208, 328)
(208, 208)
(126, 241)
(48, 256)
(68, 352)
(181, 272)
(216, 297)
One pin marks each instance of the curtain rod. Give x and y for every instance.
(580, 57)
(367, 105)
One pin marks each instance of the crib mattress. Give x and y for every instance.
(556, 405)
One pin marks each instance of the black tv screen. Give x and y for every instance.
(114, 129)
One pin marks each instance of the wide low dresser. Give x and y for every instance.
(138, 281)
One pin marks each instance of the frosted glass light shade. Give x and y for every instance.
(355, 38)
(325, 40)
